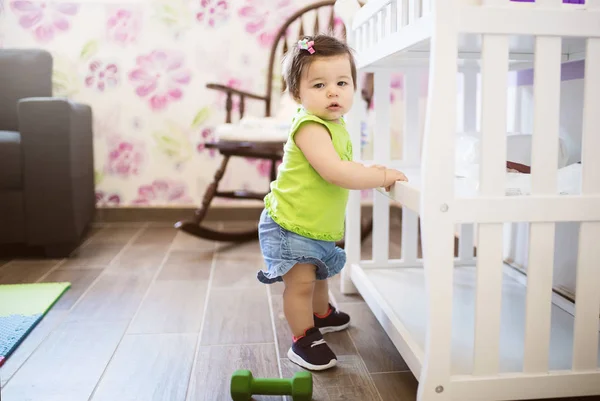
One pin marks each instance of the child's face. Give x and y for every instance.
(326, 87)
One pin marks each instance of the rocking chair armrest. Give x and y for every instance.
(228, 89)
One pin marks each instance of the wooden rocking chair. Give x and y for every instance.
(272, 151)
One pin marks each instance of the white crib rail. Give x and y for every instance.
(381, 18)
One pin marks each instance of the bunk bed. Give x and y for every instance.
(469, 326)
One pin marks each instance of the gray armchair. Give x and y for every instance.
(46, 157)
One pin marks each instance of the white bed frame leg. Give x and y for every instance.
(353, 209)
(488, 299)
(436, 213)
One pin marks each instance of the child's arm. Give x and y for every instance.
(315, 142)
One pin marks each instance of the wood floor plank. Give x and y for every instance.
(157, 236)
(80, 281)
(237, 271)
(373, 344)
(396, 386)
(215, 365)
(240, 317)
(14, 362)
(189, 266)
(139, 259)
(171, 306)
(18, 272)
(114, 297)
(95, 256)
(347, 381)
(187, 242)
(163, 375)
(112, 236)
(246, 248)
(68, 364)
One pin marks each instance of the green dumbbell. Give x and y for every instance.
(244, 386)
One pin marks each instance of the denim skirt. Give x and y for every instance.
(282, 249)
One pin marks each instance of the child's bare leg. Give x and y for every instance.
(321, 297)
(298, 298)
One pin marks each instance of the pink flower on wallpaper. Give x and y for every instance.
(160, 77)
(396, 84)
(212, 12)
(163, 191)
(101, 76)
(207, 136)
(123, 25)
(263, 18)
(106, 199)
(124, 159)
(236, 83)
(44, 18)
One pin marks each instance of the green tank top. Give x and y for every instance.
(300, 200)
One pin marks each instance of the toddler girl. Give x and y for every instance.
(304, 211)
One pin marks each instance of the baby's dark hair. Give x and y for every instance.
(297, 59)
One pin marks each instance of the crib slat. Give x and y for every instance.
(394, 16)
(414, 10)
(404, 10)
(544, 152)
(411, 150)
(373, 23)
(493, 174)
(410, 236)
(411, 147)
(381, 152)
(383, 22)
(585, 346)
(466, 251)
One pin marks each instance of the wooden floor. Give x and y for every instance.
(156, 315)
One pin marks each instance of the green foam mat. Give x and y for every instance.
(22, 306)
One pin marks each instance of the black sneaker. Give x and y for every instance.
(334, 321)
(312, 352)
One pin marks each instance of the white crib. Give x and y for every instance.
(473, 328)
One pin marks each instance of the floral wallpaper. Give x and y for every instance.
(143, 67)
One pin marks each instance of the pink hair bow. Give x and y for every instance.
(306, 45)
